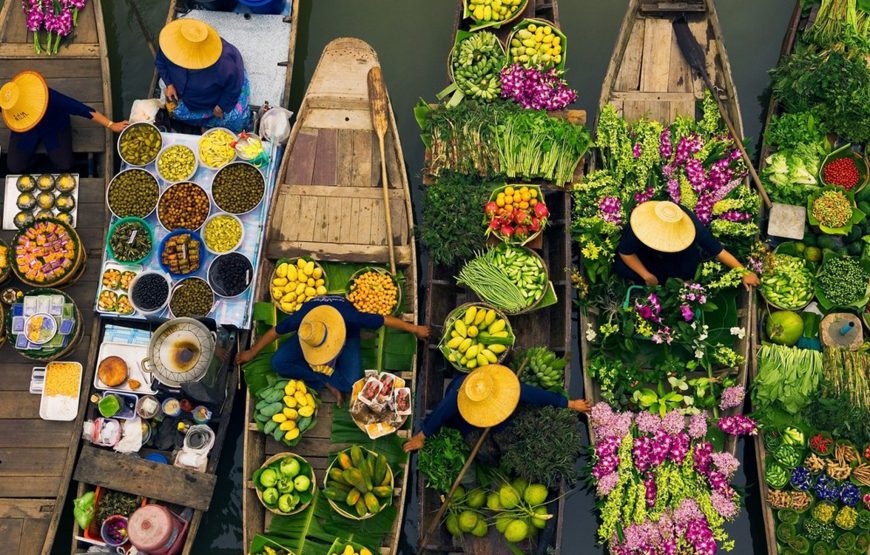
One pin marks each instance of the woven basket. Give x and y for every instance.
(492, 198)
(460, 36)
(353, 516)
(541, 23)
(454, 315)
(292, 261)
(467, 14)
(69, 276)
(275, 458)
(400, 293)
(75, 336)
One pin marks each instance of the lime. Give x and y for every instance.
(516, 531)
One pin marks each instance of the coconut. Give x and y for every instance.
(516, 531)
(535, 494)
(539, 522)
(467, 521)
(492, 502)
(481, 529)
(508, 497)
(453, 525)
(476, 498)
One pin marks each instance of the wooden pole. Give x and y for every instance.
(378, 104)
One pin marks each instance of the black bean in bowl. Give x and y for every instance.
(230, 274)
(149, 292)
(192, 297)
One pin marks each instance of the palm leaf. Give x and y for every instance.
(302, 532)
(259, 373)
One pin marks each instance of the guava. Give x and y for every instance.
(289, 467)
(302, 483)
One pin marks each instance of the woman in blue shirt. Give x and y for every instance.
(486, 398)
(204, 76)
(325, 350)
(37, 114)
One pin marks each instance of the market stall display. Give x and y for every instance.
(285, 483)
(181, 252)
(132, 192)
(230, 275)
(45, 325)
(380, 403)
(223, 233)
(140, 144)
(191, 297)
(476, 335)
(295, 281)
(375, 291)
(286, 410)
(238, 188)
(216, 148)
(130, 241)
(24, 198)
(183, 206)
(60, 393)
(513, 279)
(47, 252)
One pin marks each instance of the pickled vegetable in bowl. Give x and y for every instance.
(216, 148)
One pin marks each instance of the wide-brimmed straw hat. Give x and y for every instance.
(24, 101)
(663, 226)
(190, 43)
(322, 334)
(489, 395)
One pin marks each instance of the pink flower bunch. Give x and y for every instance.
(636, 150)
(700, 537)
(648, 422)
(606, 484)
(674, 422)
(726, 463)
(534, 89)
(732, 397)
(644, 196)
(607, 423)
(697, 426)
(611, 209)
(649, 485)
(608, 459)
(665, 146)
(738, 425)
(702, 457)
(736, 216)
(34, 14)
(686, 523)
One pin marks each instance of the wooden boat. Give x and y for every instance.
(180, 488)
(37, 455)
(798, 22)
(550, 327)
(649, 77)
(329, 204)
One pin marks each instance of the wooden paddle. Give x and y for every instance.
(695, 56)
(378, 104)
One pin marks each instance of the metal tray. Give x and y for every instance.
(10, 196)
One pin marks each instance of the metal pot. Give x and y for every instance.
(180, 352)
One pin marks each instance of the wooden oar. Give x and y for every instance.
(695, 56)
(378, 104)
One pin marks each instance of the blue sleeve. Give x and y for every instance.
(358, 319)
(538, 397)
(704, 238)
(628, 243)
(161, 63)
(233, 80)
(445, 410)
(70, 105)
(292, 322)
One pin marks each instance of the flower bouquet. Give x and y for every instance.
(56, 17)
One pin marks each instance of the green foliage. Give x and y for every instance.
(452, 227)
(542, 445)
(793, 129)
(787, 377)
(842, 419)
(442, 458)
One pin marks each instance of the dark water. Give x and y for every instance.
(412, 38)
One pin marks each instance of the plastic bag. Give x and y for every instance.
(84, 509)
(275, 125)
(145, 110)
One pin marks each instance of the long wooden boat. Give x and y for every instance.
(649, 77)
(37, 455)
(329, 205)
(188, 493)
(550, 327)
(797, 23)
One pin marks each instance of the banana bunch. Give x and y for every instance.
(477, 64)
(286, 410)
(543, 369)
(349, 549)
(476, 338)
(360, 481)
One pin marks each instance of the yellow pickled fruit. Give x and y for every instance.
(310, 291)
(489, 356)
(290, 296)
(279, 281)
(497, 349)
(300, 398)
(290, 413)
(291, 402)
(489, 318)
(281, 270)
(278, 417)
(306, 411)
(309, 400)
(460, 328)
(482, 360)
(309, 268)
(481, 316)
(451, 357)
(286, 398)
(321, 290)
(300, 264)
(317, 273)
(497, 326)
(290, 388)
(292, 434)
(364, 551)
(462, 361)
(300, 288)
(287, 307)
(487, 13)
(291, 272)
(310, 282)
(348, 550)
(319, 282)
(277, 294)
(471, 364)
(287, 425)
(470, 315)
(466, 343)
(454, 343)
(478, 13)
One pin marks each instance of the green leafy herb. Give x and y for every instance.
(787, 376)
(793, 129)
(442, 458)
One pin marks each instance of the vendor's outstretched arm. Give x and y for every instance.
(421, 332)
(268, 337)
(633, 262)
(750, 279)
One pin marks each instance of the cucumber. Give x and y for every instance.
(278, 434)
(272, 409)
(270, 426)
(304, 423)
(261, 418)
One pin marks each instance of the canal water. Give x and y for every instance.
(412, 39)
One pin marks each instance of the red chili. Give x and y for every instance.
(842, 172)
(820, 443)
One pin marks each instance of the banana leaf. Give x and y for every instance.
(345, 431)
(259, 373)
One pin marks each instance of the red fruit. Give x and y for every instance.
(490, 209)
(495, 223)
(521, 231)
(535, 226)
(521, 217)
(507, 230)
(541, 210)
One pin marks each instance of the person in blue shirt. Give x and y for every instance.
(664, 240)
(204, 76)
(486, 398)
(36, 114)
(325, 348)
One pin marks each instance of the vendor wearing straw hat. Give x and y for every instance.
(664, 240)
(35, 113)
(204, 76)
(486, 398)
(326, 347)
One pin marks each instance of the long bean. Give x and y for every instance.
(489, 283)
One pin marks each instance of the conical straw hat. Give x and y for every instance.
(190, 43)
(24, 101)
(489, 395)
(663, 226)
(322, 334)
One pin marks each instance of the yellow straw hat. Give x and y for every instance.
(24, 101)
(663, 226)
(190, 43)
(321, 335)
(489, 395)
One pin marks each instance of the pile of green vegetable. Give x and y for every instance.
(788, 377)
(842, 281)
(508, 277)
(543, 369)
(285, 485)
(787, 282)
(442, 458)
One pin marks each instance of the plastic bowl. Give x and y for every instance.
(132, 126)
(175, 233)
(151, 175)
(187, 177)
(111, 254)
(205, 231)
(135, 281)
(118, 521)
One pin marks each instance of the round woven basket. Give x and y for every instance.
(541, 23)
(70, 276)
(494, 24)
(301, 507)
(450, 57)
(75, 336)
(338, 508)
(293, 261)
(382, 271)
(455, 314)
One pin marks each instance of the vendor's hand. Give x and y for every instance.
(218, 112)
(171, 94)
(244, 357)
(415, 443)
(339, 396)
(119, 126)
(579, 405)
(651, 280)
(750, 280)
(422, 332)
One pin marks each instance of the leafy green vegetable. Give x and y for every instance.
(452, 227)
(793, 129)
(841, 418)
(787, 376)
(442, 458)
(542, 445)
(790, 174)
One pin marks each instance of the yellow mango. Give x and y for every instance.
(470, 315)
(279, 417)
(291, 402)
(300, 398)
(309, 291)
(310, 282)
(290, 273)
(279, 281)
(497, 326)
(309, 268)
(281, 270)
(291, 414)
(300, 289)
(287, 425)
(321, 290)
(300, 386)
(317, 273)
(309, 400)
(290, 388)
(300, 264)
(306, 411)
(497, 349)
(292, 434)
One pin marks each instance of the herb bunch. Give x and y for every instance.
(442, 458)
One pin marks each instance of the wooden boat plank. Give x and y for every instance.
(363, 166)
(679, 74)
(86, 31)
(325, 155)
(45, 487)
(146, 478)
(32, 462)
(37, 509)
(19, 404)
(25, 50)
(52, 68)
(628, 78)
(655, 69)
(32, 536)
(345, 156)
(20, 433)
(300, 165)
